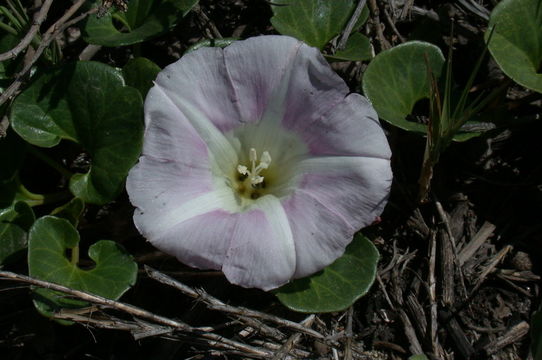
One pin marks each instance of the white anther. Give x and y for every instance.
(265, 160)
(243, 170)
(254, 172)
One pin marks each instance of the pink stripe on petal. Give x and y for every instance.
(351, 128)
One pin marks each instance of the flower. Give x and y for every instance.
(257, 161)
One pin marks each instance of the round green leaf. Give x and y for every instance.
(337, 286)
(49, 240)
(312, 21)
(140, 74)
(88, 103)
(397, 78)
(516, 42)
(358, 48)
(144, 20)
(15, 221)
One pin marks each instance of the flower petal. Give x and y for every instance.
(200, 241)
(262, 251)
(200, 79)
(222, 152)
(257, 67)
(349, 128)
(316, 246)
(296, 87)
(345, 193)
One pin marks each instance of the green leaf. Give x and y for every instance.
(15, 221)
(70, 211)
(358, 48)
(337, 286)
(144, 20)
(397, 78)
(516, 43)
(536, 335)
(140, 74)
(88, 103)
(221, 43)
(49, 240)
(315, 22)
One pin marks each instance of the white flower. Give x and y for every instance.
(257, 161)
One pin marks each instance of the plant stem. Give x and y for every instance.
(33, 199)
(75, 255)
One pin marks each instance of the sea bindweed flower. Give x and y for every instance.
(257, 161)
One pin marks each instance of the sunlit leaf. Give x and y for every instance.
(337, 286)
(358, 48)
(397, 78)
(516, 43)
(315, 22)
(49, 241)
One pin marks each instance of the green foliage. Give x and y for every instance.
(222, 43)
(70, 211)
(516, 43)
(337, 286)
(49, 240)
(397, 78)
(144, 20)
(313, 21)
(358, 48)
(87, 103)
(140, 73)
(15, 221)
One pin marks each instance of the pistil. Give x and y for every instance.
(254, 172)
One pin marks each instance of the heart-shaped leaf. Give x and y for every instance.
(337, 286)
(140, 74)
(15, 221)
(49, 240)
(144, 20)
(358, 48)
(315, 22)
(516, 42)
(397, 78)
(88, 103)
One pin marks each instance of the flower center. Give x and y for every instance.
(254, 172)
(250, 180)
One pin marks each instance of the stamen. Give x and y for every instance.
(254, 172)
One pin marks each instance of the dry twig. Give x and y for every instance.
(39, 18)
